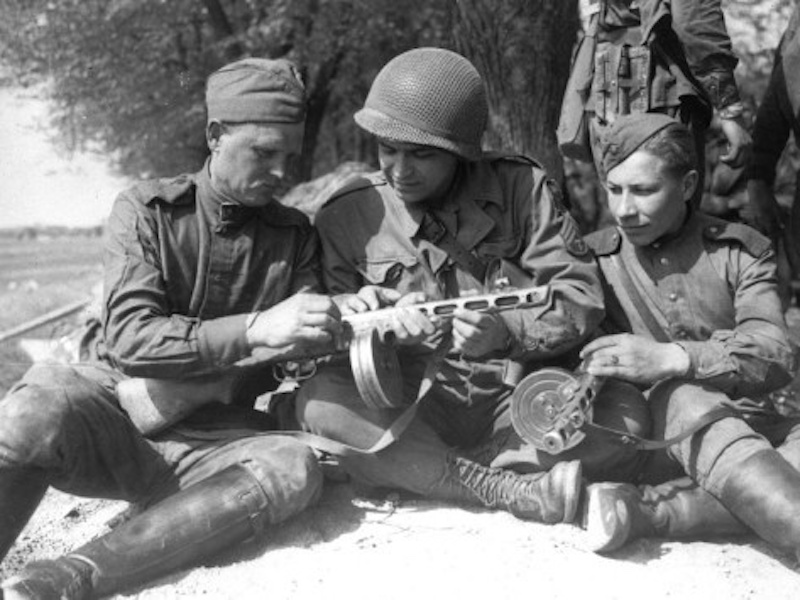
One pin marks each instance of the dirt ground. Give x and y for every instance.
(352, 548)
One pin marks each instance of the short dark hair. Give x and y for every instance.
(675, 145)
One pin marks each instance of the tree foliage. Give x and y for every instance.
(129, 74)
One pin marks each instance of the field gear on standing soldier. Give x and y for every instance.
(431, 223)
(652, 56)
(693, 313)
(201, 271)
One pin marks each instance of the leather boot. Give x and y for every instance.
(548, 497)
(764, 493)
(618, 513)
(194, 524)
(21, 491)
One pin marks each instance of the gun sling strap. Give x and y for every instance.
(629, 439)
(398, 426)
(658, 333)
(395, 430)
(434, 231)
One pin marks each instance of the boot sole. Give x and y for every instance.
(606, 528)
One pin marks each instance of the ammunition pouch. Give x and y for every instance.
(622, 76)
(622, 70)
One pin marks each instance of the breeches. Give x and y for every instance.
(329, 405)
(711, 454)
(65, 422)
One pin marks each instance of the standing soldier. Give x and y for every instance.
(656, 56)
(778, 116)
(200, 271)
(427, 226)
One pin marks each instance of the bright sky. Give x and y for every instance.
(40, 186)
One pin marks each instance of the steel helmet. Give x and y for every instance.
(428, 96)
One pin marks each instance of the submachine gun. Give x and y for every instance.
(551, 407)
(154, 404)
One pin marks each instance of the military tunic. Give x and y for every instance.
(499, 208)
(182, 273)
(711, 289)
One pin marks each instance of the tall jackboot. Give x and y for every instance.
(21, 491)
(764, 493)
(618, 513)
(227, 508)
(548, 497)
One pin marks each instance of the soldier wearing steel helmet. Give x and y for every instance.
(382, 235)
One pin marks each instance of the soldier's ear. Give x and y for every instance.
(690, 182)
(214, 131)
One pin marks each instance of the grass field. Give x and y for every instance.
(36, 277)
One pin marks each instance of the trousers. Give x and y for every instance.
(63, 423)
(329, 405)
(711, 454)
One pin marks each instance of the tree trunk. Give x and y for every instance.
(318, 97)
(223, 30)
(522, 48)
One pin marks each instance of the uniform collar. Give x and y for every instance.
(224, 215)
(463, 209)
(688, 225)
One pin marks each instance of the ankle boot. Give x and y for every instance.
(764, 493)
(549, 497)
(618, 513)
(194, 524)
(21, 491)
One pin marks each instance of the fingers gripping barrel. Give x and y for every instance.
(549, 408)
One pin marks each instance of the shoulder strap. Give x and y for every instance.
(629, 288)
(435, 232)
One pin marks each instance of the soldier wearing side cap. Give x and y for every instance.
(201, 271)
(430, 225)
(694, 317)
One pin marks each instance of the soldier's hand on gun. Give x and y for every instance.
(477, 333)
(369, 297)
(634, 358)
(408, 324)
(303, 317)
